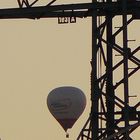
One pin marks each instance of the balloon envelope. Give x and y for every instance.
(66, 104)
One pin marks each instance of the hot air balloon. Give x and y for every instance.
(66, 104)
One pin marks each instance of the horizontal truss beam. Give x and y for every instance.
(75, 10)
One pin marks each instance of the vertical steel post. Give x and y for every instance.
(125, 67)
(94, 83)
(110, 104)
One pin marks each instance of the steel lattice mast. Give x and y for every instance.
(111, 117)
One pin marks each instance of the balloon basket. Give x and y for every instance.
(67, 135)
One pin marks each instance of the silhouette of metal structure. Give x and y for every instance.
(112, 117)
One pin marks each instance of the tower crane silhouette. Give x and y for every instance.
(111, 117)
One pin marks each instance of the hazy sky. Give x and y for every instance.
(37, 56)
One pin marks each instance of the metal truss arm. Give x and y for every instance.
(53, 11)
